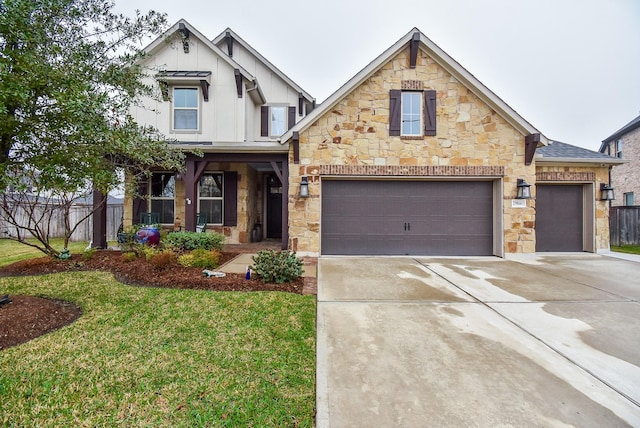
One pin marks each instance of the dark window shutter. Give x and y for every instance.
(140, 203)
(394, 112)
(292, 117)
(430, 113)
(230, 198)
(264, 121)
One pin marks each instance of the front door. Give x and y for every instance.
(274, 207)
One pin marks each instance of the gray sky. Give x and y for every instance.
(569, 67)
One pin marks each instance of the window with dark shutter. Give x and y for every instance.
(394, 112)
(292, 118)
(230, 184)
(430, 113)
(264, 121)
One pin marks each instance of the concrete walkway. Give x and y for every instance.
(548, 340)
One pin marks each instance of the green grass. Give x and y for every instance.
(12, 251)
(161, 357)
(630, 249)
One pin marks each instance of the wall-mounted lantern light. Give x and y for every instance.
(524, 189)
(606, 192)
(304, 187)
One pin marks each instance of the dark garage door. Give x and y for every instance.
(407, 217)
(559, 218)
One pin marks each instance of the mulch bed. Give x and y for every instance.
(28, 317)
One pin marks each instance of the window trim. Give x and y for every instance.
(618, 148)
(265, 119)
(214, 198)
(428, 112)
(197, 109)
(161, 198)
(419, 114)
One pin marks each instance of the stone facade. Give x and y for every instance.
(250, 201)
(355, 133)
(626, 177)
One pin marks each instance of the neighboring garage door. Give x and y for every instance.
(559, 218)
(407, 217)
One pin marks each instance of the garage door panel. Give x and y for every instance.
(559, 218)
(407, 217)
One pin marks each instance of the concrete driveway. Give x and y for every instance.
(542, 341)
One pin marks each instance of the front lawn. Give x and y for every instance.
(161, 357)
(629, 249)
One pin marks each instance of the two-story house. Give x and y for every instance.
(413, 155)
(625, 144)
(225, 102)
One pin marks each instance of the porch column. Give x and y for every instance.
(190, 193)
(195, 168)
(99, 220)
(285, 204)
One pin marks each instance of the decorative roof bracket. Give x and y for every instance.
(530, 144)
(238, 82)
(413, 50)
(229, 40)
(184, 35)
(204, 85)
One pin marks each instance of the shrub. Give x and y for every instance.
(87, 254)
(188, 241)
(162, 260)
(129, 256)
(277, 266)
(200, 258)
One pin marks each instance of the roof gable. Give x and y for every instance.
(222, 38)
(416, 38)
(160, 43)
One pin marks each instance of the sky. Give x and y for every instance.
(571, 68)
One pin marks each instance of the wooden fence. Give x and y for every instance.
(624, 225)
(84, 232)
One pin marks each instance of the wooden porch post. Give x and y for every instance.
(285, 204)
(99, 220)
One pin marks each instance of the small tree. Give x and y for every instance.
(28, 212)
(69, 75)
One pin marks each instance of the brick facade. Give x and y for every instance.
(626, 177)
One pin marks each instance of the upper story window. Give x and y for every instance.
(412, 112)
(628, 199)
(276, 120)
(618, 148)
(162, 196)
(411, 117)
(185, 109)
(278, 124)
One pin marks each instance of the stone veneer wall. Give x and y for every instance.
(356, 132)
(626, 177)
(582, 174)
(247, 203)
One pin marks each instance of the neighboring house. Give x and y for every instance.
(413, 155)
(625, 144)
(223, 99)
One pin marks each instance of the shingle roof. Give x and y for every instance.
(559, 150)
(635, 123)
